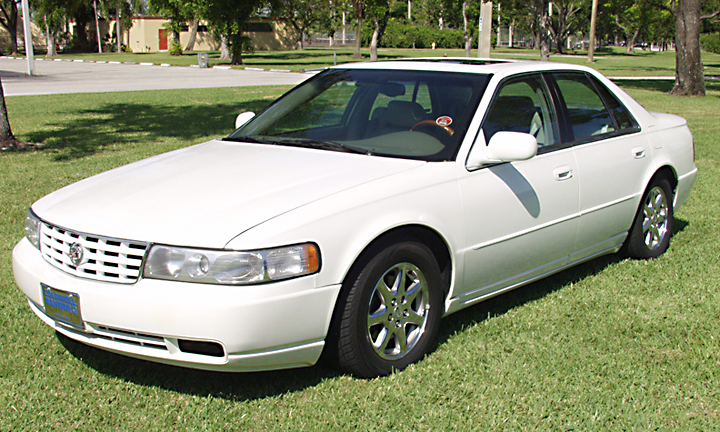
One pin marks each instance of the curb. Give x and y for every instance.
(114, 62)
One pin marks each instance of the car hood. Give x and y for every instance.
(206, 195)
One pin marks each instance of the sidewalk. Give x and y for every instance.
(66, 76)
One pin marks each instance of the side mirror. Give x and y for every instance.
(503, 147)
(243, 118)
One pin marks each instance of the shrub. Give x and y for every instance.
(710, 42)
(175, 48)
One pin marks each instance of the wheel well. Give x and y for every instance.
(419, 233)
(667, 172)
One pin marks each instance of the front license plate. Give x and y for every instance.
(62, 306)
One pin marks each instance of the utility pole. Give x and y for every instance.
(484, 31)
(29, 52)
(498, 44)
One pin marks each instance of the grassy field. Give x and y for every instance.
(610, 61)
(612, 345)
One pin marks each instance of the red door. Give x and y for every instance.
(163, 38)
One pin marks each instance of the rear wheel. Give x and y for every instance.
(650, 233)
(391, 313)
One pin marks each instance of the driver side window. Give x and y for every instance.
(523, 105)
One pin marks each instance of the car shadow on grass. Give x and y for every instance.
(226, 385)
(90, 131)
(257, 385)
(503, 303)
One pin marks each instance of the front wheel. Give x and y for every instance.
(392, 311)
(650, 234)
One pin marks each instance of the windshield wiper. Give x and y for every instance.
(248, 139)
(321, 144)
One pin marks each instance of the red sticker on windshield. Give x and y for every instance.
(444, 121)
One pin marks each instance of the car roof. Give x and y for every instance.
(501, 67)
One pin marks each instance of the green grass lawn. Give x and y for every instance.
(610, 61)
(613, 344)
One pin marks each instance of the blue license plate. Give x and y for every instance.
(62, 306)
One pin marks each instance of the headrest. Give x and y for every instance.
(404, 114)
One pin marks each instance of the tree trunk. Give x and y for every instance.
(50, 39)
(97, 27)
(236, 57)
(358, 39)
(689, 79)
(236, 47)
(374, 40)
(12, 31)
(193, 34)
(468, 39)
(118, 31)
(224, 48)
(7, 140)
(543, 28)
(630, 48)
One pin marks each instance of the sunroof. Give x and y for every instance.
(457, 60)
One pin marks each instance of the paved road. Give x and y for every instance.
(54, 77)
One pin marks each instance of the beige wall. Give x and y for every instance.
(37, 35)
(145, 36)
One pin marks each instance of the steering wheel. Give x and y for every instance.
(447, 129)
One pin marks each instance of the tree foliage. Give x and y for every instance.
(303, 15)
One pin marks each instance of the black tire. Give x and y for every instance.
(389, 312)
(650, 233)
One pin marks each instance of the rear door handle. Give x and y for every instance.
(638, 152)
(563, 173)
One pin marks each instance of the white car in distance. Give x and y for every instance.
(353, 213)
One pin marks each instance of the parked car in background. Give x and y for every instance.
(353, 213)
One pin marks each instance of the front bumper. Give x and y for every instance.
(259, 327)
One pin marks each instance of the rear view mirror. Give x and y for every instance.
(503, 147)
(243, 118)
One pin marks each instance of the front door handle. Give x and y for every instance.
(563, 173)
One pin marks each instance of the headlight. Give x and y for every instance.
(32, 228)
(229, 267)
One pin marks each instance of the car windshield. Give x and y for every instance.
(408, 114)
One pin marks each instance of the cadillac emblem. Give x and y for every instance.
(75, 253)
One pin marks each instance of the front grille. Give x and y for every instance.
(134, 338)
(104, 259)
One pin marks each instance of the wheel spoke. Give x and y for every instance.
(378, 318)
(397, 311)
(382, 339)
(655, 220)
(416, 289)
(401, 339)
(399, 284)
(415, 318)
(385, 292)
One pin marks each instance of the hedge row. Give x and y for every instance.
(710, 42)
(404, 35)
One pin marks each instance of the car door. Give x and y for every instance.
(612, 158)
(520, 217)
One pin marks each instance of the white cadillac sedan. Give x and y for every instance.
(348, 217)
